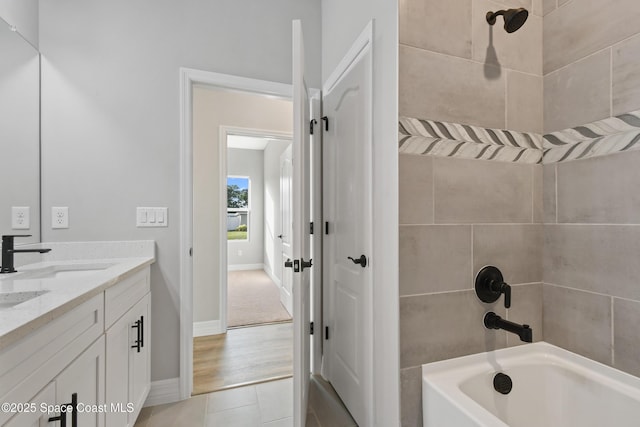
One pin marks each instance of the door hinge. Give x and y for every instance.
(326, 227)
(190, 251)
(325, 119)
(311, 328)
(311, 124)
(326, 332)
(311, 227)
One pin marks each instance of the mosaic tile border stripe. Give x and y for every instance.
(607, 136)
(427, 137)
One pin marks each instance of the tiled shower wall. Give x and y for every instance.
(592, 206)
(458, 215)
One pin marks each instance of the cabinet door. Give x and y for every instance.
(117, 369)
(140, 362)
(85, 377)
(36, 418)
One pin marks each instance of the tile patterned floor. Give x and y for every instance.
(268, 404)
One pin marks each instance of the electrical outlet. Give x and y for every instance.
(20, 218)
(59, 217)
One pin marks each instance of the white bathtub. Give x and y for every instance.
(551, 387)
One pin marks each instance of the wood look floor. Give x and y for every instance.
(242, 356)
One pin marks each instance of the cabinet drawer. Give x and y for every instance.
(30, 364)
(121, 297)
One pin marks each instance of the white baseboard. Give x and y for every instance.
(163, 391)
(209, 327)
(271, 275)
(242, 267)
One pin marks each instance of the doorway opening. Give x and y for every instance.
(242, 331)
(257, 209)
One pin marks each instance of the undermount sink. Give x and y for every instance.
(63, 271)
(9, 299)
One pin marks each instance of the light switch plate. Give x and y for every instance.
(151, 217)
(59, 217)
(20, 218)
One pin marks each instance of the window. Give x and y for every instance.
(238, 207)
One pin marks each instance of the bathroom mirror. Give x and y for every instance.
(19, 134)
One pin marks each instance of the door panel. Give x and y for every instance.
(301, 239)
(85, 376)
(348, 145)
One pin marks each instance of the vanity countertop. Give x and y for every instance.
(59, 286)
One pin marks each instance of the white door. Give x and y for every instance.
(286, 179)
(300, 238)
(347, 198)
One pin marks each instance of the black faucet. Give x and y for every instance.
(493, 321)
(8, 251)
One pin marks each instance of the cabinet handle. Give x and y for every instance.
(63, 415)
(141, 331)
(138, 341)
(74, 410)
(62, 418)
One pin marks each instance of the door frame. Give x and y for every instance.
(188, 78)
(225, 132)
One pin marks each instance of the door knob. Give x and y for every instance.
(279, 236)
(288, 263)
(362, 260)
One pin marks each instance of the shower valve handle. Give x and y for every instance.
(490, 285)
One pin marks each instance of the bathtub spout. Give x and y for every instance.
(493, 321)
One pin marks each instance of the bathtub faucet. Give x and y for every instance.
(493, 321)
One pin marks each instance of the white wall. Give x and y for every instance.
(272, 217)
(110, 115)
(342, 22)
(248, 163)
(22, 14)
(211, 109)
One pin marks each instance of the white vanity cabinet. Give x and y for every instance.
(128, 370)
(51, 364)
(96, 355)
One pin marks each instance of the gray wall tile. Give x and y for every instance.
(445, 88)
(515, 249)
(578, 94)
(578, 321)
(600, 189)
(411, 397)
(549, 193)
(441, 326)
(439, 26)
(476, 191)
(598, 258)
(416, 189)
(583, 27)
(626, 315)
(434, 258)
(524, 102)
(521, 50)
(538, 192)
(626, 76)
(526, 308)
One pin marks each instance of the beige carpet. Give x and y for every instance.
(253, 299)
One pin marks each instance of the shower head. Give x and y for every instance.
(513, 18)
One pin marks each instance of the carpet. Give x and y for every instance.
(253, 299)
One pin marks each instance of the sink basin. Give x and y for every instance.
(63, 271)
(9, 299)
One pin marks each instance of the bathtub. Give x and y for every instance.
(551, 387)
